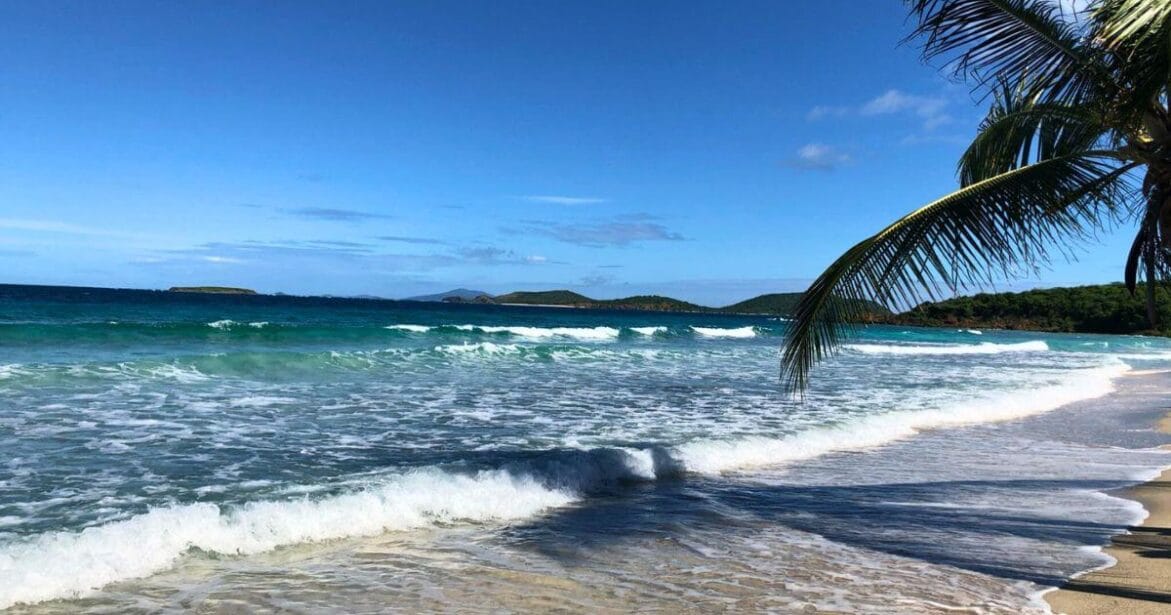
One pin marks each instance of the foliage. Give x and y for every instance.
(1077, 140)
(1105, 308)
(783, 304)
(545, 297)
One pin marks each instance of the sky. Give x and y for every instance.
(707, 151)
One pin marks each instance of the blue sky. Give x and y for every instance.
(709, 151)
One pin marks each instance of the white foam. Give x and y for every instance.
(169, 371)
(707, 456)
(582, 333)
(411, 328)
(260, 401)
(481, 347)
(648, 330)
(741, 332)
(73, 564)
(221, 324)
(949, 349)
(972, 331)
(259, 324)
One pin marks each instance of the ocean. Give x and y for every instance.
(213, 453)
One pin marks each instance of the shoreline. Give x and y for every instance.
(1139, 580)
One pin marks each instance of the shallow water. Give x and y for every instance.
(256, 453)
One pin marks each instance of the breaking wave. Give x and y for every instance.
(941, 349)
(84, 561)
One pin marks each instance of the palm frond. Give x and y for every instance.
(1124, 21)
(963, 240)
(1018, 41)
(1138, 35)
(1021, 129)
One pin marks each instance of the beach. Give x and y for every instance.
(177, 452)
(1140, 580)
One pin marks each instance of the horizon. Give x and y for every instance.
(369, 149)
(449, 291)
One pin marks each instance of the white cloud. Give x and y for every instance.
(564, 200)
(931, 110)
(819, 156)
(50, 226)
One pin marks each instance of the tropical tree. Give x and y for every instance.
(1077, 140)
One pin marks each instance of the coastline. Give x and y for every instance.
(1139, 580)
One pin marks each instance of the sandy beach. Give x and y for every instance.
(1140, 582)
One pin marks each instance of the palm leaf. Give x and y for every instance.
(1123, 21)
(1018, 41)
(1138, 34)
(964, 240)
(1021, 129)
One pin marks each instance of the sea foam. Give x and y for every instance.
(411, 328)
(72, 564)
(581, 333)
(739, 332)
(949, 349)
(712, 457)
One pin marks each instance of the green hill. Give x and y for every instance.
(780, 304)
(546, 297)
(218, 290)
(783, 304)
(650, 302)
(572, 299)
(1105, 308)
(774, 303)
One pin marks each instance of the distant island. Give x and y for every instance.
(1103, 308)
(774, 304)
(215, 290)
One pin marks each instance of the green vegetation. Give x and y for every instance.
(775, 303)
(477, 299)
(1078, 138)
(650, 302)
(219, 290)
(546, 297)
(783, 304)
(571, 299)
(779, 304)
(1106, 308)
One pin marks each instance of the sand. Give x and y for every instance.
(1140, 583)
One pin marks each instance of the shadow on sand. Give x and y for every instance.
(910, 520)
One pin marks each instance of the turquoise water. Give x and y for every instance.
(154, 443)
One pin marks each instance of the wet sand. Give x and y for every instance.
(1140, 583)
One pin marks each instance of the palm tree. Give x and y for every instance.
(1077, 140)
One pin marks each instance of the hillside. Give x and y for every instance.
(457, 293)
(783, 304)
(650, 302)
(774, 303)
(217, 290)
(780, 304)
(1106, 308)
(546, 297)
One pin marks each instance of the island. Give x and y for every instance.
(1101, 308)
(215, 290)
(773, 304)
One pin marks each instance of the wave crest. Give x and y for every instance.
(983, 348)
(83, 562)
